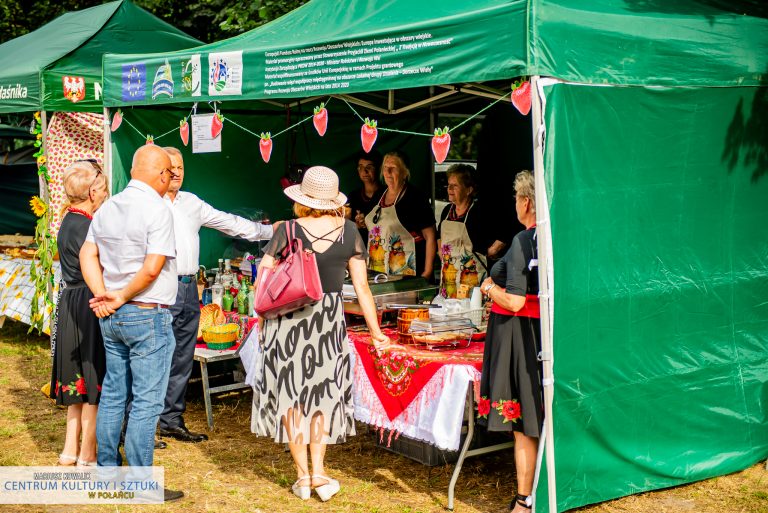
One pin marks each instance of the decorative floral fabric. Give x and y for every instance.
(71, 136)
(400, 374)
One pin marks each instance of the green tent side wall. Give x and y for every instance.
(660, 252)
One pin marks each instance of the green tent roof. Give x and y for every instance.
(327, 47)
(33, 67)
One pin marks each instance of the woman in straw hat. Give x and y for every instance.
(305, 396)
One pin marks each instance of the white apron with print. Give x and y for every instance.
(391, 248)
(460, 265)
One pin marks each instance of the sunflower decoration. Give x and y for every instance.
(38, 206)
(41, 160)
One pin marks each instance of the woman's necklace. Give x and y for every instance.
(81, 212)
(397, 198)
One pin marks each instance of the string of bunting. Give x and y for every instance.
(520, 96)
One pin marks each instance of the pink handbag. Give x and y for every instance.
(293, 283)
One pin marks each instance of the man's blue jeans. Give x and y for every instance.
(139, 345)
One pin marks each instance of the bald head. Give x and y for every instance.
(152, 165)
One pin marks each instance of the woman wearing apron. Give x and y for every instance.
(401, 228)
(465, 235)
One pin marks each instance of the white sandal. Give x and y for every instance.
(65, 457)
(83, 463)
(302, 492)
(328, 490)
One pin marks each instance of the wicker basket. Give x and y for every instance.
(404, 319)
(222, 336)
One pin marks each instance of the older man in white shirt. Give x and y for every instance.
(128, 262)
(190, 213)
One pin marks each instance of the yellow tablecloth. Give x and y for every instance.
(17, 291)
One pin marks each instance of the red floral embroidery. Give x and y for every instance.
(483, 407)
(80, 385)
(510, 411)
(394, 370)
(58, 387)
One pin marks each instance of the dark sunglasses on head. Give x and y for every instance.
(96, 166)
(377, 214)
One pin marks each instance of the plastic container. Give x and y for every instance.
(441, 334)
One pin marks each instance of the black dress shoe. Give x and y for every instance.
(183, 434)
(159, 444)
(172, 495)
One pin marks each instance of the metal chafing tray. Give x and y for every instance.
(408, 289)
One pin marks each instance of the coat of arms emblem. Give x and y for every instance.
(74, 88)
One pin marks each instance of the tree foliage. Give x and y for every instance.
(207, 20)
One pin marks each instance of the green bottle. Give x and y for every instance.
(227, 300)
(242, 298)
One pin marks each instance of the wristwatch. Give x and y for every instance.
(488, 288)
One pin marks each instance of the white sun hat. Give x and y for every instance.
(318, 189)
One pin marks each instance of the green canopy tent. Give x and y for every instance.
(35, 67)
(650, 153)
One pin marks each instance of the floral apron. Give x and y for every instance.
(391, 248)
(459, 263)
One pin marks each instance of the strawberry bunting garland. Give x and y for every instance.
(520, 96)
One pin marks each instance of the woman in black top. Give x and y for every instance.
(78, 361)
(305, 395)
(510, 387)
(364, 199)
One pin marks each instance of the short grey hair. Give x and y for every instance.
(525, 186)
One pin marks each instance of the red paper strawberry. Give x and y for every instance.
(265, 146)
(320, 119)
(184, 131)
(521, 98)
(368, 134)
(150, 139)
(441, 143)
(116, 120)
(217, 123)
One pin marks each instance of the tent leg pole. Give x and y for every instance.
(107, 159)
(546, 285)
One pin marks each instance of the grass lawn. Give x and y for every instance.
(237, 472)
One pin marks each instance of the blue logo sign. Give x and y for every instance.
(134, 82)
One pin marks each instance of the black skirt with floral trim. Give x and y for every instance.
(79, 362)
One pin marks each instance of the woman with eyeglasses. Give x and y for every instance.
(467, 239)
(78, 350)
(402, 240)
(363, 200)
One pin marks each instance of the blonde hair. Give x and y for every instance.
(400, 156)
(305, 211)
(78, 179)
(525, 187)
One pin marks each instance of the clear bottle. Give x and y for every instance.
(227, 278)
(217, 291)
(221, 266)
(242, 298)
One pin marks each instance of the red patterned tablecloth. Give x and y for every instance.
(400, 373)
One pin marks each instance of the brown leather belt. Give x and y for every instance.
(146, 305)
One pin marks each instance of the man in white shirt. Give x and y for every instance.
(131, 239)
(189, 214)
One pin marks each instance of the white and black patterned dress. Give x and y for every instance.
(305, 393)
